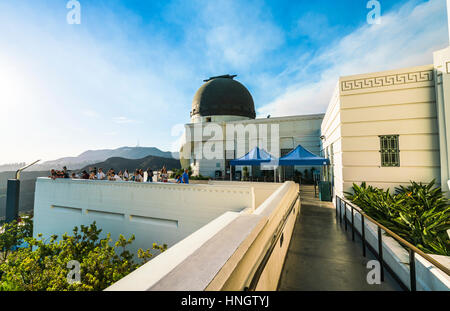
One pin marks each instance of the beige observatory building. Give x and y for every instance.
(221, 104)
(389, 128)
(385, 128)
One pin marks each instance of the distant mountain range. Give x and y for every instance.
(28, 178)
(120, 164)
(93, 156)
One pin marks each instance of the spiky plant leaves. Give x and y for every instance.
(419, 213)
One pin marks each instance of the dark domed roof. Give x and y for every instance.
(223, 96)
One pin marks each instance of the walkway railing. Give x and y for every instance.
(264, 258)
(342, 203)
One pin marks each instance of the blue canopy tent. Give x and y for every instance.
(301, 156)
(256, 156)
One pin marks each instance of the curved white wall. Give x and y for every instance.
(153, 212)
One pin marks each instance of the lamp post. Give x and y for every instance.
(12, 195)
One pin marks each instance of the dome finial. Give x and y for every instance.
(223, 76)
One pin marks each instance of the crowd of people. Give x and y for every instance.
(111, 174)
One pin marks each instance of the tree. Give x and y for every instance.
(43, 265)
(12, 235)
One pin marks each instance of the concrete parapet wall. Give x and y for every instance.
(247, 258)
(228, 250)
(262, 190)
(153, 212)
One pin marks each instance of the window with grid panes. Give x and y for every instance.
(389, 150)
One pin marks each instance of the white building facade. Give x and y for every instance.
(382, 128)
(223, 127)
(287, 133)
(385, 128)
(389, 128)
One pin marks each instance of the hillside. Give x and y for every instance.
(120, 164)
(93, 156)
(28, 178)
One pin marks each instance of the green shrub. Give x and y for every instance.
(419, 213)
(200, 177)
(13, 234)
(42, 265)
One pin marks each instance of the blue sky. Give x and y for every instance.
(129, 71)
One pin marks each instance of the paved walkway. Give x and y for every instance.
(322, 256)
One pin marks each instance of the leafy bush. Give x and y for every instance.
(419, 213)
(175, 172)
(13, 234)
(180, 172)
(200, 177)
(43, 265)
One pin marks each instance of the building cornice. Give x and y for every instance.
(387, 78)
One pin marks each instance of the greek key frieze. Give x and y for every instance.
(389, 80)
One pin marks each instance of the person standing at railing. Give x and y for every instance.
(100, 174)
(164, 174)
(65, 173)
(137, 176)
(93, 170)
(185, 176)
(149, 175)
(92, 175)
(116, 177)
(178, 179)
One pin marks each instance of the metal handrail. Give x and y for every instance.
(412, 249)
(258, 272)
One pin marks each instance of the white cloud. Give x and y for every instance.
(239, 37)
(227, 34)
(406, 37)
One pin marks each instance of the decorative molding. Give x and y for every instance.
(389, 80)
